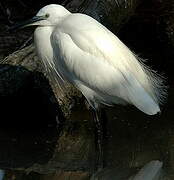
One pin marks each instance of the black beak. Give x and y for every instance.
(26, 23)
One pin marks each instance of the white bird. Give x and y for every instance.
(83, 52)
(76, 48)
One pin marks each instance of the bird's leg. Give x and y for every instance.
(100, 121)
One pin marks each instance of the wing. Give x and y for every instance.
(92, 55)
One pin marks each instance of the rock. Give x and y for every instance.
(28, 117)
(151, 171)
(28, 123)
(2, 172)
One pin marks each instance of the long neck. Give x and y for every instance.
(42, 42)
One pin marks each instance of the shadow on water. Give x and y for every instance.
(28, 129)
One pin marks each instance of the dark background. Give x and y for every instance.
(148, 32)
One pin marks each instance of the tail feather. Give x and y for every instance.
(146, 89)
(141, 99)
(157, 88)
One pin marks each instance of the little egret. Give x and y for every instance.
(76, 48)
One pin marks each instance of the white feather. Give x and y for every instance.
(82, 51)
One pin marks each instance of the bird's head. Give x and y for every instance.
(47, 16)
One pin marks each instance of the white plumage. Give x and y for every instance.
(76, 48)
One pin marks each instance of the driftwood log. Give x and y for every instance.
(46, 131)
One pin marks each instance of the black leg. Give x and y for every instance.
(100, 125)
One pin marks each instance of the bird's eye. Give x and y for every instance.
(47, 15)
